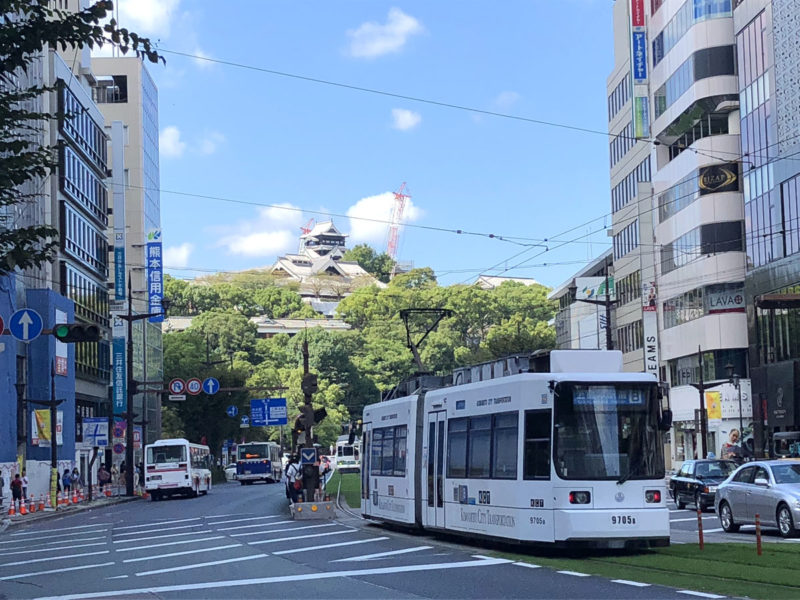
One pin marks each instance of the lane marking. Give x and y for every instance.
(700, 594)
(201, 565)
(170, 529)
(709, 530)
(50, 537)
(51, 558)
(692, 519)
(36, 550)
(216, 537)
(529, 565)
(573, 573)
(633, 583)
(118, 577)
(315, 576)
(171, 554)
(301, 537)
(283, 529)
(158, 523)
(63, 529)
(226, 515)
(381, 554)
(353, 543)
(255, 525)
(51, 571)
(248, 519)
(161, 537)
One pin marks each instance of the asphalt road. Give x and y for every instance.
(240, 542)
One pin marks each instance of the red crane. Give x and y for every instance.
(400, 198)
(306, 229)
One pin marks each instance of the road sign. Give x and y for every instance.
(177, 397)
(194, 386)
(119, 429)
(177, 386)
(210, 385)
(119, 448)
(245, 422)
(258, 412)
(308, 456)
(95, 431)
(276, 411)
(232, 411)
(25, 325)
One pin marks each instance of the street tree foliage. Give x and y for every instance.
(378, 265)
(28, 28)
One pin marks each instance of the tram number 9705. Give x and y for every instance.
(484, 497)
(623, 520)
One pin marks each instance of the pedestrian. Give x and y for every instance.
(24, 485)
(66, 482)
(294, 475)
(16, 489)
(103, 477)
(2, 483)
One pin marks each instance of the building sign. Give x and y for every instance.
(41, 428)
(155, 274)
(119, 266)
(120, 378)
(726, 301)
(62, 350)
(714, 405)
(719, 178)
(641, 117)
(649, 296)
(594, 288)
(780, 384)
(637, 13)
(639, 56)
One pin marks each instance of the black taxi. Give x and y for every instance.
(697, 480)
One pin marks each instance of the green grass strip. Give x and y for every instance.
(351, 487)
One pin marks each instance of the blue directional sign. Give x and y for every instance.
(258, 412)
(245, 421)
(211, 386)
(95, 431)
(25, 325)
(232, 411)
(276, 411)
(308, 456)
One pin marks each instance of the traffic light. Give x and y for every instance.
(70, 333)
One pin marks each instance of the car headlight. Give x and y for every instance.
(712, 488)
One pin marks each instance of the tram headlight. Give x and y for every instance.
(580, 497)
(652, 496)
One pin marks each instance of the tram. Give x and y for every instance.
(567, 453)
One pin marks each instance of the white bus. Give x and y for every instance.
(572, 456)
(258, 461)
(176, 466)
(348, 456)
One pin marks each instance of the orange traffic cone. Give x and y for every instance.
(22, 509)
(74, 496)
(60, 500)
(48, 503)
(31, 505)
(41, 502)
(11, 509)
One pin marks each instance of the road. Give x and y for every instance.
(239, 542)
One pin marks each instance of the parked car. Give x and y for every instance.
(770, 489)
(230, 472)
(696, 482)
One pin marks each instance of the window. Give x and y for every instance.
(626, 190)
(745, 475)
(686, 369)
(388, 451)
(483, 447)
(537, 444)
(621, 144)
(630, 337)
(619, 97)
(726, 236)
(629, 288)
(690, 13)
(626, 240)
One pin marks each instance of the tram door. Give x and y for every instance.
(435, 469)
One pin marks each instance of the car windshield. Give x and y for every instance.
(786, 473)
(717, 468)
(607, 431)
(166, 454)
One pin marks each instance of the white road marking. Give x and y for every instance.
(62, 529)
(314, 576)
(301, 537)
(51, 571)
(226, 515)
(118, 577)
(529, 565)
(248, 519)
(282, 529)
(700, 594)
(691, 519)
(50, 537)
(353, 543)
(158, 523)
(171, 554)
(254, 525)
(633, 583)
(712, 530)
(51, 558)
(201, 565)
(170, 529)
(381, 554)
(37, 550)
(216, 537)
(161, 537)
(573, 573)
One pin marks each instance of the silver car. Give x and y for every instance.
(770, 489)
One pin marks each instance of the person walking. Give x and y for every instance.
(103, 477)
(66, 482)
(294, 474)
(16, 490)
(24, 485)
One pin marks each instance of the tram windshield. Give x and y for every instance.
(607, 431)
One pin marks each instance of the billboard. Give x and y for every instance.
(639, 56)
(155, 274)
(718, 178)
(641, 117)
(594, 288)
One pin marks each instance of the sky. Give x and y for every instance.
(248, 156)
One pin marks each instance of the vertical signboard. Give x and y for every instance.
(639, 65)
(639, 56)
(119, 382)
(650, 327)
(641, 117)
(118, 203)
(637, 13)
(119, 266)
(155, 278)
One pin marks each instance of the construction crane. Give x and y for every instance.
(400, 198)
(306, 229)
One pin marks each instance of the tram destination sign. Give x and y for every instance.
(608, 395)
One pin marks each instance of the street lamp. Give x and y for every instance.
(734, 379)
(608, 303)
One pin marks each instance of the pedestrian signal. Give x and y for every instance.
(77, 332)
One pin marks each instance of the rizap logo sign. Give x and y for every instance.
(719, 178)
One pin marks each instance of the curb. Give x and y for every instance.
(10, 522)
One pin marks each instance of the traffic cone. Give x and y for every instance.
(48, 503)
(74, 496)
(11, 509)
(60, 499)
(41, 502)
(31, 505)
(22, 509)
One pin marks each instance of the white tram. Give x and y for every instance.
(571, 456)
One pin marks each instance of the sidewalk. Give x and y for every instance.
(7, 522)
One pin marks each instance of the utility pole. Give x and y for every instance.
(52, 404)
(607, 302)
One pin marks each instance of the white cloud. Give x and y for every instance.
(506, 99)
(260, 244)
(272, 232)
(375, 39)
(150, 18)
(370, 217)
(170, 144)
(404, 119)
(177, 256)
(288, 215)
(208, 144)
(198, 60)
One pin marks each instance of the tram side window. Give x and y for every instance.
(483, 447)
(376, 451)
(537, 444)
(388, 451)
(504, 446)
(457, 447)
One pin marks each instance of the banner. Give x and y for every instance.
(714, 405)
(594, 288)
(41, 427)
(155, 274)
(119, 266)
(119, 374)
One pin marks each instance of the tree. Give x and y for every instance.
(230, 332)
(28, 27)
(380, 266)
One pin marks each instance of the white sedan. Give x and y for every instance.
(230, 472)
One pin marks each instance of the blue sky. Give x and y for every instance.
(245, 135)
